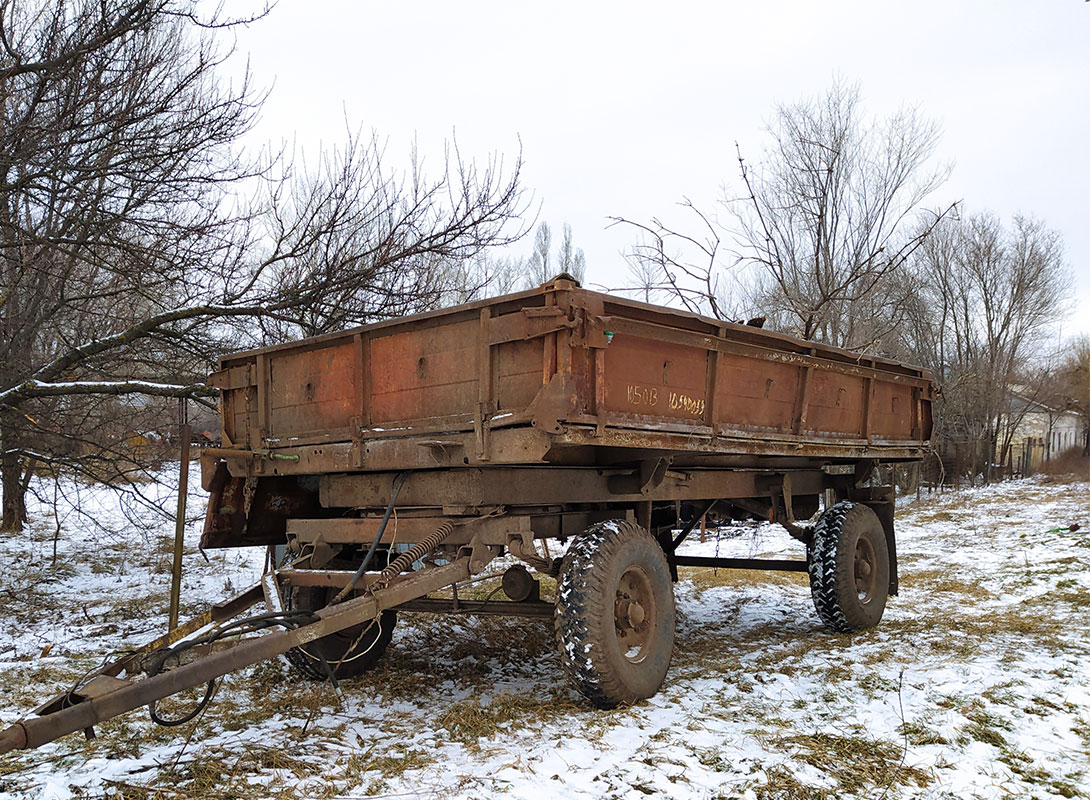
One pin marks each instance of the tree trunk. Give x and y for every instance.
(991, 441)
(12, 484)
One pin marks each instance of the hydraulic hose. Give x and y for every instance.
(399, 481)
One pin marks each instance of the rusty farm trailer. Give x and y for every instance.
(494, 428)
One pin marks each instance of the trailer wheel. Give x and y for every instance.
(615, 614)
(849, 568)
(350, 652)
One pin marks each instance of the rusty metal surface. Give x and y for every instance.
(555, 355)
(696, 447)
(771, 564)
(414, 524)
(247, 511)
(130, 661)
(560, 378)
(492, 487)
(128, 696)
(492, 608)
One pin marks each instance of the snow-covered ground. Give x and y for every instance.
(976, 684)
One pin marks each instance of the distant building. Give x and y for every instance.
(1041, 432)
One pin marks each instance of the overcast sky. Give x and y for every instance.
(622, 109)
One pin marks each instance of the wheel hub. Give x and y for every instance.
(865, 570)
(634, 613)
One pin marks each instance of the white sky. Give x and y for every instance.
(624, 108)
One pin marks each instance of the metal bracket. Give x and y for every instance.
(520, 544)
(322, 554)
(359, 449)
(480, 554)
(482, 429)
(881, 500)
(531, 323)
(554, 402)
(863, 470)
(442, 451)
(647, 477)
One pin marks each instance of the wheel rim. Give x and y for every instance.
(635, 614)
(866, 569)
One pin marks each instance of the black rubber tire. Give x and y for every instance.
(336, 647)
(849, 568)
(589, 617)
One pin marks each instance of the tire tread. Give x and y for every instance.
(584, 608)
(831, 567)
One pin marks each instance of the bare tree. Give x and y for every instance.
(983, 296)
(128, 259)
(352, 242)
(569, 258)
(677, 265)
(827, 209)
(644, 278)
(541, 266)
(825, 224)
(1070, 389)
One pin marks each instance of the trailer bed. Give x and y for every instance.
(564, 376)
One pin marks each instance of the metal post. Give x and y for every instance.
(179, 522)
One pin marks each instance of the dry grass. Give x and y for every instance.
(375, 770)
(936, 516)
(1071, 463)
(781, 784)
(480, 718)
(858, 764)
(703, 578)
(223, 775)
(946, 580)
(919, 734)
(966, 634)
